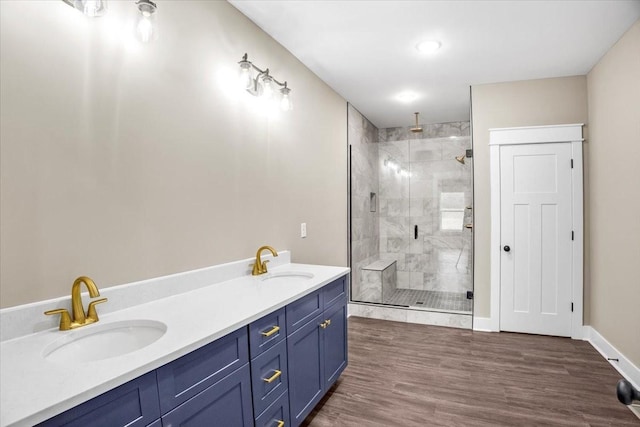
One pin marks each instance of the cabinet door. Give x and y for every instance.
(132, 404)
(306, 369)
(335, 343)
(180, 380)
(225, 404)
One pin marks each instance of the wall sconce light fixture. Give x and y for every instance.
(263, 84)
(92, 8)
(146, 26)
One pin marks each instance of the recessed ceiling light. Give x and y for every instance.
(407, 96)
(428, 46)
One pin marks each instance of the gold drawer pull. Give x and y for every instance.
(273, 377)
(271, 332)
(280, 423)
(326, 323)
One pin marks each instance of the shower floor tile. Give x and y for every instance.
(431, 300)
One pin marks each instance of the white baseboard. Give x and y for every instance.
(623, 365)
(483, 324)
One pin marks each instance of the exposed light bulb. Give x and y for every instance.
(92, 8)
(146, 28)
(246, 80)
(285, 102)
(267, 86)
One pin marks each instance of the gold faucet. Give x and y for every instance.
(260, 267)
(79, 317)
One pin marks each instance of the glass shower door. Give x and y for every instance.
(438, 259)
(411, 198)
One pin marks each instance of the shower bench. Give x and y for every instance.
(378, 280)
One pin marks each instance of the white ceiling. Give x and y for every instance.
(365, 50)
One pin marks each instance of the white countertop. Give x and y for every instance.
(34, 389)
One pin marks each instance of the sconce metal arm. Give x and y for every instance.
(261, 72)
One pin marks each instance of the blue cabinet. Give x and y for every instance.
(210, 386)
(335, 343)
(269, 377)
(276, 415)
(266, 332)
(269, 369)
(182, 379)
(302, 311)
(226, 404)
(306, 369)
(317, 350)
(134, 404)
(269, 374)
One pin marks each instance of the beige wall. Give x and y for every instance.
(126, 163)
(614, 121)
(524, 103)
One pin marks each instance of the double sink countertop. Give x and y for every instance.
(34, 389)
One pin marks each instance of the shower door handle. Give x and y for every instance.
(415, 231)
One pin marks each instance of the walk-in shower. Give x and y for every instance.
(411, 216)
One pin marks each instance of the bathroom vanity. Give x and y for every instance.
(225, 359)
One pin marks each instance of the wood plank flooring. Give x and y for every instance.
(402, 374)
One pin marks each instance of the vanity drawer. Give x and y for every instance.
(335, 291)
(300, 312)
(132, 404)
(187, 376)
(226, 403)
(266, 332)
(276, 414)
(269, 378)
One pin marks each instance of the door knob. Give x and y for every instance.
(507, 248)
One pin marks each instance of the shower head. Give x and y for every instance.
(460, 159)
(417, 128)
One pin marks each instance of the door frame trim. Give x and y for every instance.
(569, 133)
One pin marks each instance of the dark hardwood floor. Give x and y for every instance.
(402, 374)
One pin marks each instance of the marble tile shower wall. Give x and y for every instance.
(440, 258)
(365, 237)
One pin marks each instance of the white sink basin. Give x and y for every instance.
(288, 276)
(103, 341)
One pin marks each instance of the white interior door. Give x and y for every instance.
(536, 234)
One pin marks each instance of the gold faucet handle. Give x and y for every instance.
(259, 268)
(263, 267)
(92, 314)
(65, 318)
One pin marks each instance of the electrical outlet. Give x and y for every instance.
(303, 230)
